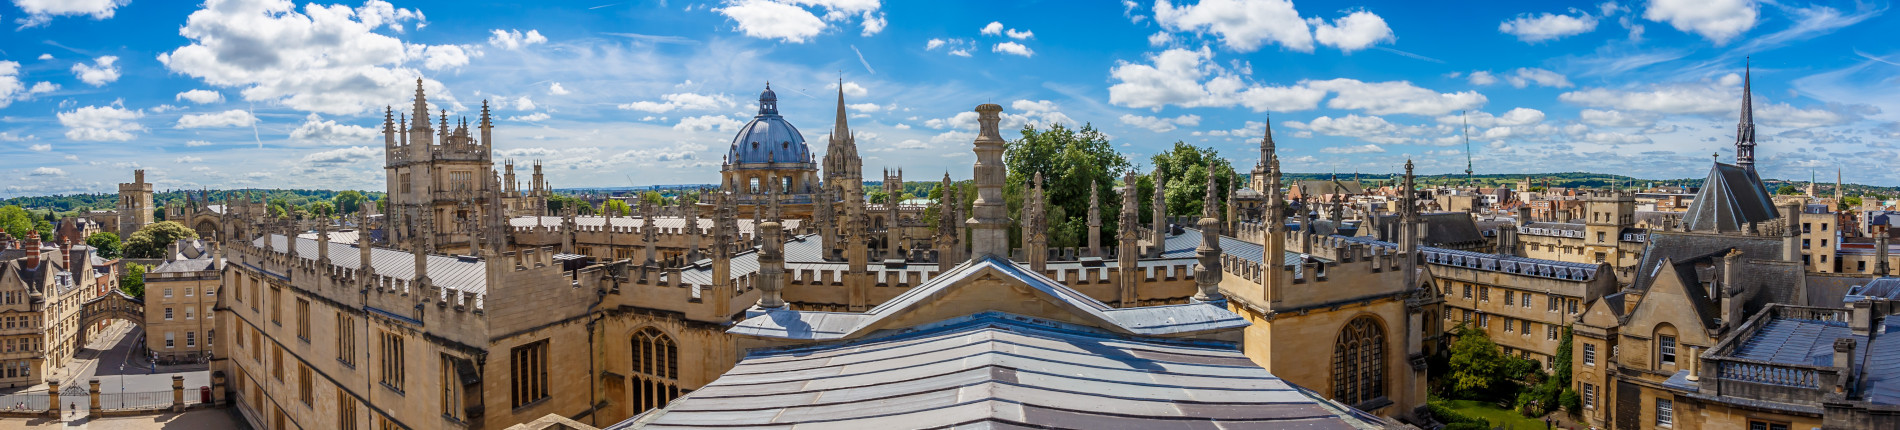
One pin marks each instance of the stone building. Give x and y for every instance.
(45, 292)
(769, 152)
(441, 179)
(179, 296)
(135, 204)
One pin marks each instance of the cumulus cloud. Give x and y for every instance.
(329, 132)
(95, 123)
(229, 118)
(1355, 31)
(438, 57)
(328, 59)
(791, 21)
(1242, 26)
(1615, 118)
(1013, 48)
(708, 123)
(957, 47)
(197, 143)
(851, 88)
(556, 89)
(515, 39)
(10, 86)
(1161, 125)
(342, 156)
(684, 101)
(1547, 26)
(1190, 78)
(188, 160)
(200, 96)
(994, 28)
(47, 171)
(1514, 117)
(1019, 35)
(1482, 78)
(533, 117)
(1524, 77)
(99, 73)
(1614, 138)
(1384, 98)
(41, 12)
(43, 147)
(1719, 21)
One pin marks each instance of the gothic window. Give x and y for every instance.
(1359, 362)
(655, 369)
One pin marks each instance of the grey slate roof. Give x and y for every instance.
(188, 265)
(1730, 199)
(1441, 228)
(444, 271)
(634, 222)
(1142, 321)
(1809, 342)
(1882, 288)
(996, 371)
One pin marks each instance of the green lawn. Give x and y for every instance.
(1506, 418)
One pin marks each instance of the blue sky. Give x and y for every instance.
(260, 93)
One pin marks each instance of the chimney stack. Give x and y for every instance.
(1844, 359)
(32, 246)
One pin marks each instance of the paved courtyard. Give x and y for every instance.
(113, 359)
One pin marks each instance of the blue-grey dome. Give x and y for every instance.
(768, 138)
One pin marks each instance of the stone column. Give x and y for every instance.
(52, 395)
(989, 235)
(95, 393)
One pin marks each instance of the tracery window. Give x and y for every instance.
(655, 369)
(1359, 362)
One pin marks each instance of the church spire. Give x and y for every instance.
(1745, 129)
(842, 165)
(421, 109)
(840, 130)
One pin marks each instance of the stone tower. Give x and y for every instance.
(843, 168)
(432, 172)
(989, 224)
(1745, 128)
(135, 204)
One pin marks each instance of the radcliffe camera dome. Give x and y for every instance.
(768, 138)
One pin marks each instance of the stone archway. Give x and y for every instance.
(112, 305)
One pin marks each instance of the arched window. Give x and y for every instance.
(656, 364)
(1359, 362)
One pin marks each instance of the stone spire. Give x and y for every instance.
(1035, 228)
(1095, 220)
(843, 168)
(1266, 153)
(421, 109)
(485, 125)
(689, 209)
(1409, 228)
(1128, 251)
(1207, 273)
(948, 234)
(893, 229)
(1274, 213)
(990, 223)
(771, 252)
(1745, 129)
(1158, 237)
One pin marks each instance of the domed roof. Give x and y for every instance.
(768, 138)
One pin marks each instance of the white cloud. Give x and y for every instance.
(1524, 77)
(1190, 78)
(328, 59)
(43, 88)
(851, 88)
(343, 155)
(43, 147)
(10, 86)
(188, 160)
(1013, 48)
(200, 96)
(1362, 149)
(229, 118)
(708, 123)
(329, 132)
(1614, 138)
(1515, 117)
(1160, 39)
(1384, 98)
(1019, 35)
(1355, 31)
(520, 103)
(1719, 21)
(790, 21)
(1160, 125)
(1242, 25)
(994, 28)
(101, 72)
(957, 47)
(44, 57)
(438, 57)
(534, 117)
(48, 171)
(1547, 26)
(555, 89)
(515, 39)
(685, 101)
(110, 123)
(1681, 98)
(1482, 78)
(41, 12)
(1614, 118)
(197, 143)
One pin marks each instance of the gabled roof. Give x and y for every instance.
(1730, 199)
(985, 282)
(994, 370)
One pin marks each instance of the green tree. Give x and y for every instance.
(1787, 190)
(107, 243)
(876, 197)
(616, 207)
(349, 201)
(1069, 161)
(152, 241)
(45, 229)
(1186, 168)
(133, 282)
(16, 221)
(1476, 364)
(653, 197)
(321, 208)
